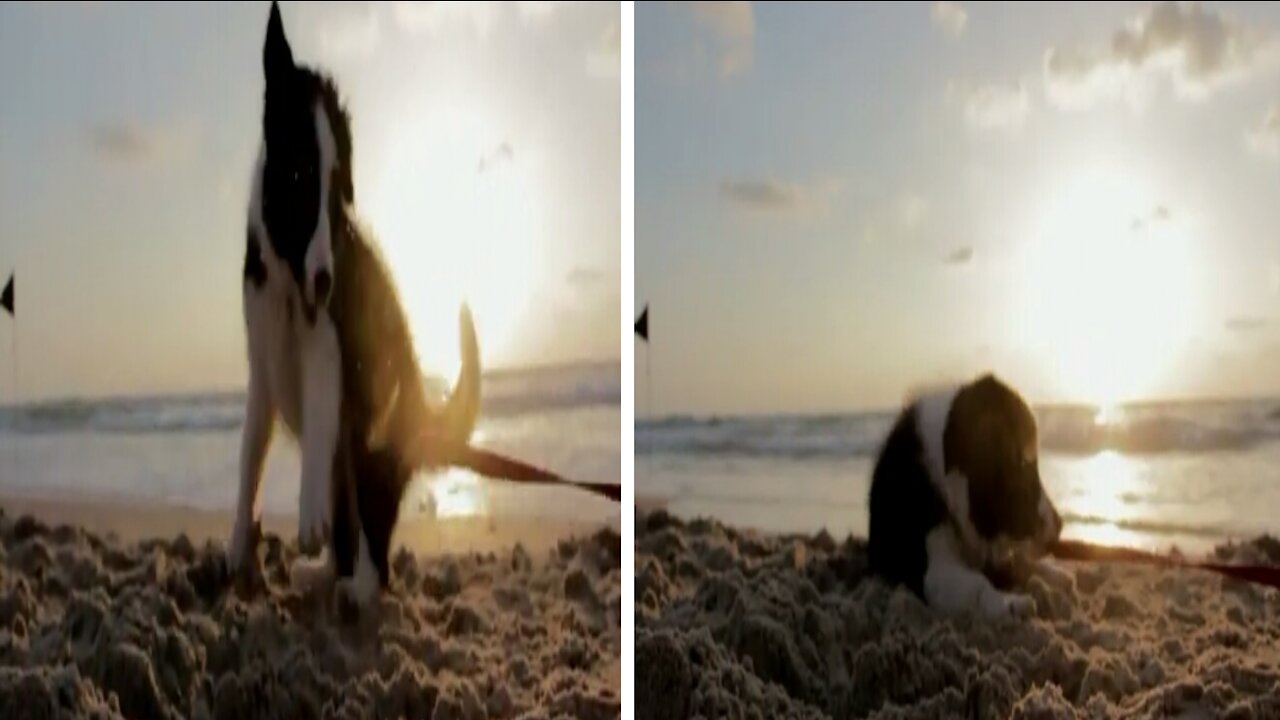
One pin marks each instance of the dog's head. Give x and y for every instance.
(991, 439)
(305, 168)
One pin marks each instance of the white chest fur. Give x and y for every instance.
(277, 338)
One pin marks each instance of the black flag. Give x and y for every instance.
(6, 297)
(642, 324)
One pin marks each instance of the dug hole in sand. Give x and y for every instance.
(92, 626)
(735, 624)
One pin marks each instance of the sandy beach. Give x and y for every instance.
(734, 623)
(113, 611)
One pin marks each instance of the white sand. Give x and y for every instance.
(739, 624)
(514, 620)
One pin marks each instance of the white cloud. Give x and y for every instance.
(604, 59)
(540, 10)
(734, 26)
(1199, 49)
(913, 213)
(1265, 139)
(431, 17)
(995, 105)
(949, 17)
(349, 32)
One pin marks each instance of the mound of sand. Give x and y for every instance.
(93, 627)
(737, 624)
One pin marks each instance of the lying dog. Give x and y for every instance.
(329, 348)
(956, 498)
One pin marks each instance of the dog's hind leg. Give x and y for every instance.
(383, 480)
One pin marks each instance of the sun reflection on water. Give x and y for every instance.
(1106, 491)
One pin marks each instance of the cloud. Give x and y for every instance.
(582, 276)
(994, 106)
(504, 153)
(352, 31)
(913, 212)
(1160, 214)
(134, 144)
(1245, 323)
(734, 27)
(540, 10)
(773, 196)
(604, 59)
(1199, 49)
(949, 17)
(960, 256)
(479, 17)
(1265, 139)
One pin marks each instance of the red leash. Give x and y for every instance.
(500, 467)
(1268, 575)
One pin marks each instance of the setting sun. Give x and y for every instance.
(1111, 285)
(457, 229)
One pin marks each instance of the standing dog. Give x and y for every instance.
(956, 484)
(329, 347)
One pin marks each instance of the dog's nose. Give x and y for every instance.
(323, 284)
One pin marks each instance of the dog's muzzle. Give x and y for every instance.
(321, 289)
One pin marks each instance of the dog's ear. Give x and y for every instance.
(277, 58)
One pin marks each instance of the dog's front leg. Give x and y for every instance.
(321, 405)
(259, 422)
(951, 586)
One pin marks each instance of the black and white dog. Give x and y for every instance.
(956, 486)
(329, 347)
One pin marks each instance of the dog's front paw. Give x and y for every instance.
(355, 596)
(311, 575)
(313, 519)
(242, 549)
(1008, 605)
(1055, 576)
(1019, 606)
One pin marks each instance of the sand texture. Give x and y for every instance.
(93, 626)
(738, 624)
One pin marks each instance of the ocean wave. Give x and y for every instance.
(188, 414)
(505, 394)
(1158, 527)
(1166, 428)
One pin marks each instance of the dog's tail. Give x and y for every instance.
(459, 416)
(449, 442)
(457, 419)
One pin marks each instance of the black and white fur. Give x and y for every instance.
(957, 483)
(329, 349)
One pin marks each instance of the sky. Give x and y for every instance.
(486, 154)
(837, 205)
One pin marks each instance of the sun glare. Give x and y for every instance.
(458, 218)
(1111, 286)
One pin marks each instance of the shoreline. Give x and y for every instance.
(132, 522)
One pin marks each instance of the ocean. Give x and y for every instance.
(1156, 475)
(184, 450)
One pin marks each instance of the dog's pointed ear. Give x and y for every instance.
(277, 58)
